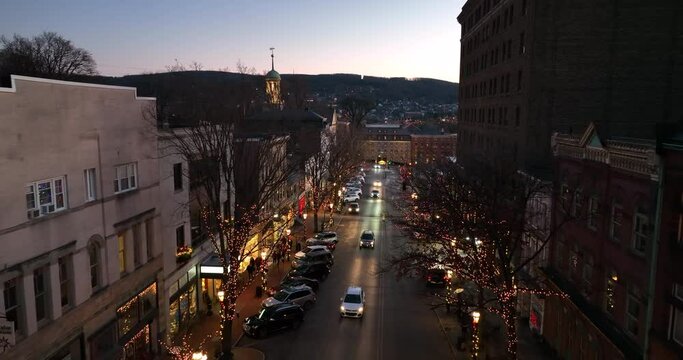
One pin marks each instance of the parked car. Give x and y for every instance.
(331, 245)
(327, 236)
(312, 271)
(351, 197)
(367, 239)
(352, 303)
(354, 208)
(301, 295)
(374, 194)
(298, 281)
(272, 319)
(437, 277)
(317, 258)
(313, 249)
(354, 190)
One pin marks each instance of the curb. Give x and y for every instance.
(443, 330)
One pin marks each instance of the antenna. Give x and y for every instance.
(272, 59)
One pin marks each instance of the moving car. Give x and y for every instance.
(274, 318)
(313, 249)
(352, 303)
(367, 239)
(374, 194)
(301, 295)
(298, 281)
(317, 258)
(351, 197)
(354, 208)
(312, 271)
(377, 183)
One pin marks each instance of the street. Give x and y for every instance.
(398, 323)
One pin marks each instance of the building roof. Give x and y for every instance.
(273, 75)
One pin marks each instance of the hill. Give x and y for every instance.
(326, 85)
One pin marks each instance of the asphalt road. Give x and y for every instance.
(398, 323)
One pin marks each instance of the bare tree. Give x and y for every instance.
(477, 224)
(236, 177)
(177, 67)
(47, 54)
(196, 66)
(357, 107)
(244, 69)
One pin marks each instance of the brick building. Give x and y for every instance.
(530, 67)
(388, 140)
(428, 145)
(618, 255)
(666, 334)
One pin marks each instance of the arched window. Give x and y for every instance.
(95, 272)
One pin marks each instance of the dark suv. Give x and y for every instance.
(274, 318)
(311, 259)
(297, 281)
(312, 271)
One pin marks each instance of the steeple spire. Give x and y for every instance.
(272, 59)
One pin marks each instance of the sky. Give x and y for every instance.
(390, 38)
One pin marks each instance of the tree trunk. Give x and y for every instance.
(315, 220)
(226, 334)
(510, 319)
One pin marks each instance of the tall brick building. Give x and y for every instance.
(530, 67)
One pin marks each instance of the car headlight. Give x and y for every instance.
(342, 308)
(349, 209)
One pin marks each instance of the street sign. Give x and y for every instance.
(6, 335)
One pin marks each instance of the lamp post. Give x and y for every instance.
(264, 272)
(475, 334)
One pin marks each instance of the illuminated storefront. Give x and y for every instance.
(183, 303)
(133, 320)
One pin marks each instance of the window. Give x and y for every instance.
(593, 205)
(10, 293)
(126, 177)
(40, 292)
(677, 326)
(587, 274)
(610, 288)
(121, 238)
(517, 115)
(577, 203)
(679, 234)
(522, 47)
(574, 259)
(64, 280)
(180, 236)
(633, 312)
(90, 184)
(615, 221)
(678, 291)
(94, 256)
(149, 232)
(45, 196)
(640, 232)
(137, 245)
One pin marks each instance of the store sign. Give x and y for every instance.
(208, 269)
(6, 335)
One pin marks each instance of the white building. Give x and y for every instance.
(79, 230)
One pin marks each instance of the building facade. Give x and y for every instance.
(604, 256)
(388, 140)
(426, 147)
(531, 67)
(81, 240)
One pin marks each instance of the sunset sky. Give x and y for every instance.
(404, 38)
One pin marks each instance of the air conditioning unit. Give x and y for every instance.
(32, 214)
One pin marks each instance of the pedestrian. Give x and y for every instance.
(250, 269)
(257, 264)
(298, 246)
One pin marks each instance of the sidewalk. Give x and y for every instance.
(205, 333)
(492, 339)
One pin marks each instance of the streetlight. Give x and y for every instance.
(221, 295)
(288, 232)
(199, 356)
(475, 317)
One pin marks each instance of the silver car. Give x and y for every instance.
(352, 303)
(301, 295)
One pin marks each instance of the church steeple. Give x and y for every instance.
(273, 82)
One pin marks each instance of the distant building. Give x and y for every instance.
(615, 258)
(431, 144)
(531, 67)
(80, 231)
(390, 141)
